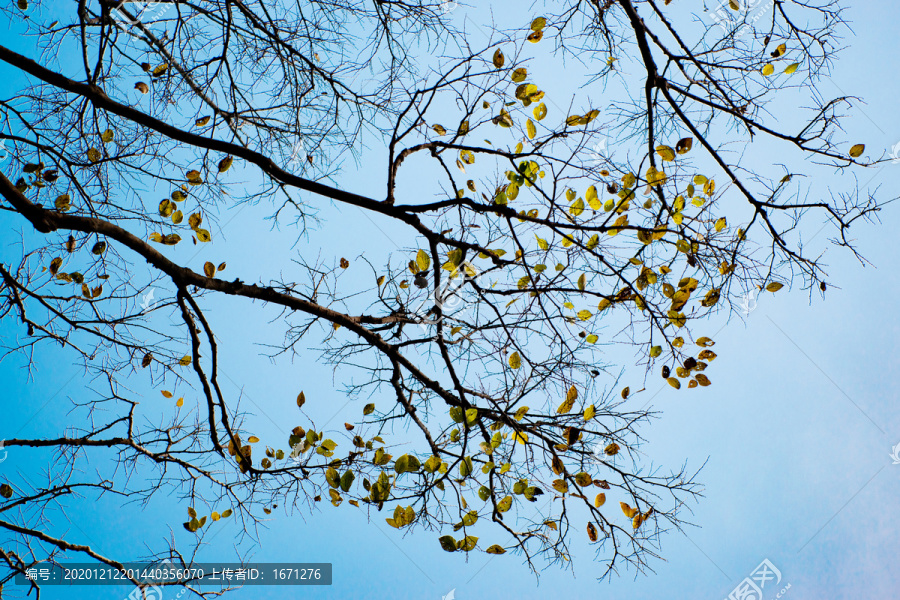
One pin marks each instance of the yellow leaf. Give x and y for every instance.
(423, 261)
(589, 412)
(193, 177)
(538, 24)
(768, 69)
(107, 136)
(600, 500)
(209, 269)
(166, 394)
(857, 150)
(531, 129)
(515, 361)
(252, 439)
(540, 111)
(591, 196)
(629, 512)
(185, 360)
(202, 121)
(560, 486)
(180, 402)
(519, 75)
(63, 203)
(93, 155)
(520, 436)
(577, 207)
(774, 286)
(225, 164)
(665, 152)
(439, 129)
(720, 224)
(791, 68)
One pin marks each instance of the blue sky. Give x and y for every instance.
(796, 431)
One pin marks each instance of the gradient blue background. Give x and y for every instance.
(797, 428)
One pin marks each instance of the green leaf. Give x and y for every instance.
(407, 464)
(332, 477)
(63, 203)
(432, 464)
(466, 467)
(447, 541)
